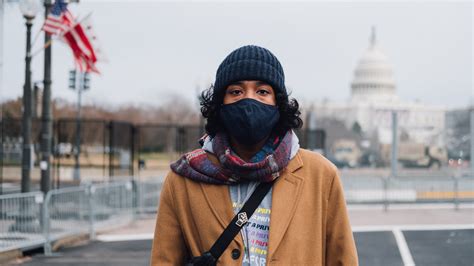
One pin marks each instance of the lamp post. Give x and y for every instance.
(28, 8)
(25, 221)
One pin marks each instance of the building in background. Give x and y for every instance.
(374, 98)
(367, 115)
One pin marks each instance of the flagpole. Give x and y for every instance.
(46, 113)
(36, 38)
(46, 45)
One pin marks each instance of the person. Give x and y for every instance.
(249, 139)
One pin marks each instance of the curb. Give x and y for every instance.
(10, 255)
(69, 241)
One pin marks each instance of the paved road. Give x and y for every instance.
(426, 247)
(432, 235)
(438, 247)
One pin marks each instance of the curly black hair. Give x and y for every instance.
(211, 102)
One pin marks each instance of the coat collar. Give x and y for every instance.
(283, 207)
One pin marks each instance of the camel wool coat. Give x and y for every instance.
(309, 224)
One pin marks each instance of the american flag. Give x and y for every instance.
(59, 19)
(82, 48)
(79, 38)
(82, 41)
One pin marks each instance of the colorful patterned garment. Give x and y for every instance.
(232, 169)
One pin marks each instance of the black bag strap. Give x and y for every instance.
(239, 220)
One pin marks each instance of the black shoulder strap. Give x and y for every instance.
(240, 220)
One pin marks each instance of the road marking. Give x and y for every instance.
(410, 227)
(113, 238)
(403, 247)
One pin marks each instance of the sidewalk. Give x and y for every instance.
(140, 229)
(409, 214)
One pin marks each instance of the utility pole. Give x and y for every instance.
(79, 81)
(46, 114)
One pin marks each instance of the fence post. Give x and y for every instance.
(385, 189)
(90, 191)
(456, 193)
(46, 224)
(136, 199)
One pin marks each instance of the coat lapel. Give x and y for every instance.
(285, 197)
(218, 199)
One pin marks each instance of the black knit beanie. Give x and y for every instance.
(250, 63)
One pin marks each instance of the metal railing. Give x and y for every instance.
(20, 221)
(148, 196)
(28, 220)
(66, 212)
(85, 209)
(393, 190)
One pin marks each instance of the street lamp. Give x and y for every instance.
(28, 8)
(25, 221)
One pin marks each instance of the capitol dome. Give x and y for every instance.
(373, 76)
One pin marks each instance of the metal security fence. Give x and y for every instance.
(20, 220)
(66, 212)
(29, 220)
(113, 205)
(104, 150)
(85, 209)
(148, 196)
(387, 190)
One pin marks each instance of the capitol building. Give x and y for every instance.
(374, 98)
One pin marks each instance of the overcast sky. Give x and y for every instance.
(160, 49)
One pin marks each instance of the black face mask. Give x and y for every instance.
(249, 121)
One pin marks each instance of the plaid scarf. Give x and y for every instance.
(196, 165)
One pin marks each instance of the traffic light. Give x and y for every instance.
(87, 81)
(72, 79)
